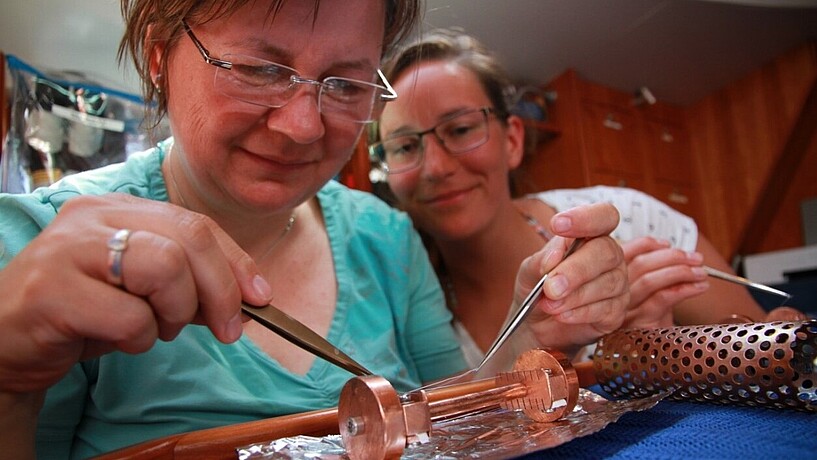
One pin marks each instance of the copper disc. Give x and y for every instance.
(564, 384)
(370, 419)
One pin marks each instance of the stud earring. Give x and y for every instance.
(157, 83)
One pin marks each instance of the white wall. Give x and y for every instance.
(80, 35)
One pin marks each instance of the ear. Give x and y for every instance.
(515, 141)
(156, 52)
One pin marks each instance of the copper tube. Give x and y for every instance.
(755, 364)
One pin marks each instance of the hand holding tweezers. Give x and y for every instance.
(520, 314)
(506, 332)
(296, 332)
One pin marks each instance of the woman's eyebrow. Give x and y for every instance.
(255, 45)
(443, 117)
(284, 56)
(402, 130)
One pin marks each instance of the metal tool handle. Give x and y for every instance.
(296, 332)
(746, 282)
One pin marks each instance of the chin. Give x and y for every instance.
(450, 232)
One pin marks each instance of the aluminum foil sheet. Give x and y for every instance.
(495, 434)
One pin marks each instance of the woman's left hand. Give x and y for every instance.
(586, 294)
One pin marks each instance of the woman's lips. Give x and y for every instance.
(447, 198)
(271, 164)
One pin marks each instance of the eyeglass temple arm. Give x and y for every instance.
(203, 51)
(392, 94)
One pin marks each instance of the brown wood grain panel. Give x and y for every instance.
(558, 161)
(611, 139)
(738, 136)
(670, 156)
(780, 178)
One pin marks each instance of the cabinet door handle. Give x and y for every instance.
(611, 123)
(677, 197)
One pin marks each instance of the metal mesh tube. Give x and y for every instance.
(754, 364)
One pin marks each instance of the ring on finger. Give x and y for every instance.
(116, 247)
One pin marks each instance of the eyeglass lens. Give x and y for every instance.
(459, 134)
(268, 84)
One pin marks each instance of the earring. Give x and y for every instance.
(157, 83)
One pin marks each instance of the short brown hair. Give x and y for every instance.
(163, 18)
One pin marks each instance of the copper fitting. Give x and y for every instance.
(375, 422)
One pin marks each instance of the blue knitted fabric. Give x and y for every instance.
(692, 430)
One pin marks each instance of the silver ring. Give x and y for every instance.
(117, 245)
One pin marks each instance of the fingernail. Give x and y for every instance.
(262, 288)
(695, 257)
(699, 272)
(234, 329)
(701, 285)
(561, 224)
(557, 285)
(551, 259)
(551, 304)
(566, 314)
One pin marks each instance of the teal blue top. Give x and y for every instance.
(390, 317)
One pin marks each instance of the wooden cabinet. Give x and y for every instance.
(669, 150)
(609, 132)
(756, 144)
(607, 140)
(355, 174)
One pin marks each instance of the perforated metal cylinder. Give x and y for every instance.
(755, 364)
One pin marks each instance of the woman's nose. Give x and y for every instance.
(437, 161)
(300, 118)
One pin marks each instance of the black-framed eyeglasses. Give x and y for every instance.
(459, 133)
(269, 84)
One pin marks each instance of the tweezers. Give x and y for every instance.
(506, 332)
(745, 282)
(520, 314)
(297, 333)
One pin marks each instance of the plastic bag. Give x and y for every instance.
(65, 122)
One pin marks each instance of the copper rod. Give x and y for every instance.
(452, 391)
(474, 402)
(221, 442)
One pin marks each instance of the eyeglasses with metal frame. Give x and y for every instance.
(269, 84)
(459, 133)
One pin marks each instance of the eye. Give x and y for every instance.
(401, 147)
(460, 128)
(345, 89)
(260, 75)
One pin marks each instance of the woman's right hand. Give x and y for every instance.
(660, 277)
(58, 306)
